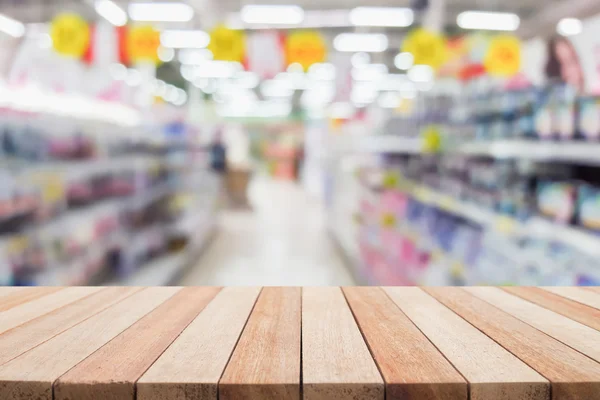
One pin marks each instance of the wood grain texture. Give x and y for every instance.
(336, 363)
(26, 312)
(411, 366)
(265, 364)
(594, 289)
(572, 333)
(24, 337)
(112, 371)
(579, 312)
(573, 376)
(492, 372)
(32, 374)
(581, 295)
(6, 290)
(191, 367)
(18, 297)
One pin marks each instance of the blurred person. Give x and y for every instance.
(563, 63)
(218, 154)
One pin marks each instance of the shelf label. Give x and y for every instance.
(506, 225)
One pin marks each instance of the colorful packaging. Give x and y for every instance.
(589, 118)
(588, 207)
(556, 200)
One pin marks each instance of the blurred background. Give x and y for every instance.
(389, 142)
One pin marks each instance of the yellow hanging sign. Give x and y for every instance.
(142, 44)
(70, 35)
(305, 48)
(427, 47)
(503, 57)
(227, 44)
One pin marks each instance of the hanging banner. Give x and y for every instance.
(227, 44)
(142, 44)
(265, 54)
(427, 48)
(305, 48)
(503, 57)
(70, 35)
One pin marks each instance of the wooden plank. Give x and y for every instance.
(492, 372)
(573, 376)
(192, 366)
(32, 374)
(99, 377)
(594, 289)
(580, 295)
(24, 337)
(6, 290)
(16, 298)
(411, 366)
(572, 333)
(336, 363)
(579, 312)
(265, 364)
(26, 312)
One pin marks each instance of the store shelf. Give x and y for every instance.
(580, 152)
(586, 242)
(377, 144)
(165, 270)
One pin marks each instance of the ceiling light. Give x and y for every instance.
(184, 39)
(111, 12)
(322, 72)
(166, 54)
(369, 72)
(421, 73)
(272, 14)
(247, 79)
(118, 71)
(404, 61)
(276, 88)
(355, 42)
(194, 57)
(188, 72)
(164, 12)
(389, 100)
(341, 110)
(11, 26)
(491, 21)
(381, 16)
(171, 94)
(569, 26)
(217, 69)
(360, 59)
(134, 77)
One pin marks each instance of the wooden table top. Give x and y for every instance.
(247, 343)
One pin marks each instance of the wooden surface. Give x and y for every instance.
(411, 366)
(493, 372)
(336, 363)
(266, 361)
(299, 343)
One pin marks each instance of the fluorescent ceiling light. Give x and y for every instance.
(369, 72)
(111, 12)
(184, 39)
(569, 26)
(381, 16)
(491, 21)
(11, 26)
(360, 59)
(404, 61)
(421, 74)
(217, 69)
(164, 12)
(276, 14)
(355, 42)
(194, 56)
(166, 54)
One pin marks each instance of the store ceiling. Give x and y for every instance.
(208, 12)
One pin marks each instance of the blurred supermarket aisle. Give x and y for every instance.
(282, 241)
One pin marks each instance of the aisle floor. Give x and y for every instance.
(282, 241)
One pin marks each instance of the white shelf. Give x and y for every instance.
(582, 152)
(534, 150)
(586, 242)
